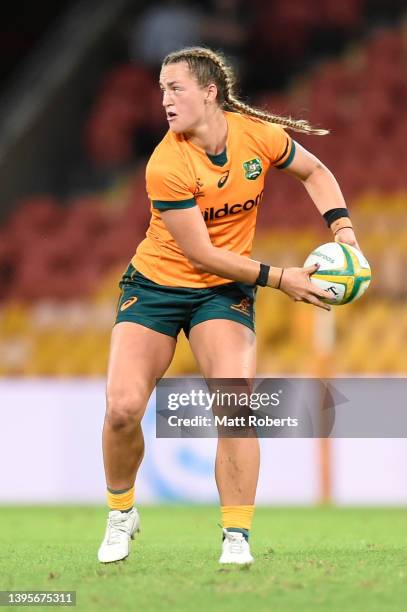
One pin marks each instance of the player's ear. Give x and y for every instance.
(211, 93)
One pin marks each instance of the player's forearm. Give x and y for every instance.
(324, 190)
(227, 264)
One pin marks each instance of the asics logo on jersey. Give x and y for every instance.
(209, 214)
(243, 306)
(223, 179)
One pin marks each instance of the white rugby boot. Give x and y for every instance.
(121, 528)
(235, 549)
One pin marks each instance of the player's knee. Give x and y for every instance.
(124, 410)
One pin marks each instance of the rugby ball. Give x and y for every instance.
(343, 271)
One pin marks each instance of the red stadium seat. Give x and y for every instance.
(128, 80)
(36, 215)
(345, 14)
(86, 216)
(386, 47)
(119, 110)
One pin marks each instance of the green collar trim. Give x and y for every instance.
(220, 159)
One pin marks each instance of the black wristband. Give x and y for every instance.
(263, 275)
(281, 278)
(335, 213)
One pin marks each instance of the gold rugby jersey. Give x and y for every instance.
(228, 189)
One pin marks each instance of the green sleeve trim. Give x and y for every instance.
(288, 160)
(177, 204)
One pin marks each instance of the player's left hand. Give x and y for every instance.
(347, 236)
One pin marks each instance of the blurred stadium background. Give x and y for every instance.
(80, 112)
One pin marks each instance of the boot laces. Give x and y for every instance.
(117, 528)
(236, 541)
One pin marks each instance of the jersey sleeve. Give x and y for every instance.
(167, 185)
(281, 147)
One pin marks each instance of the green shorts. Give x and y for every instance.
(170, 309)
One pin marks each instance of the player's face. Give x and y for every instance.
(183, 98)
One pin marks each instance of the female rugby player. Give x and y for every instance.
(193, 271)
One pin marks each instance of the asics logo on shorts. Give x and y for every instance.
(243, 306)
(128, 303)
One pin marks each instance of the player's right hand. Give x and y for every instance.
(296, 283)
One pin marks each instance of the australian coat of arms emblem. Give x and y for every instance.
(252, 168)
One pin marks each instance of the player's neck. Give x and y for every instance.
(211, 135)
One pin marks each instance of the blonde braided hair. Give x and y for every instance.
(211, 67)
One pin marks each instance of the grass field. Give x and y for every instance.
(306, 559)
